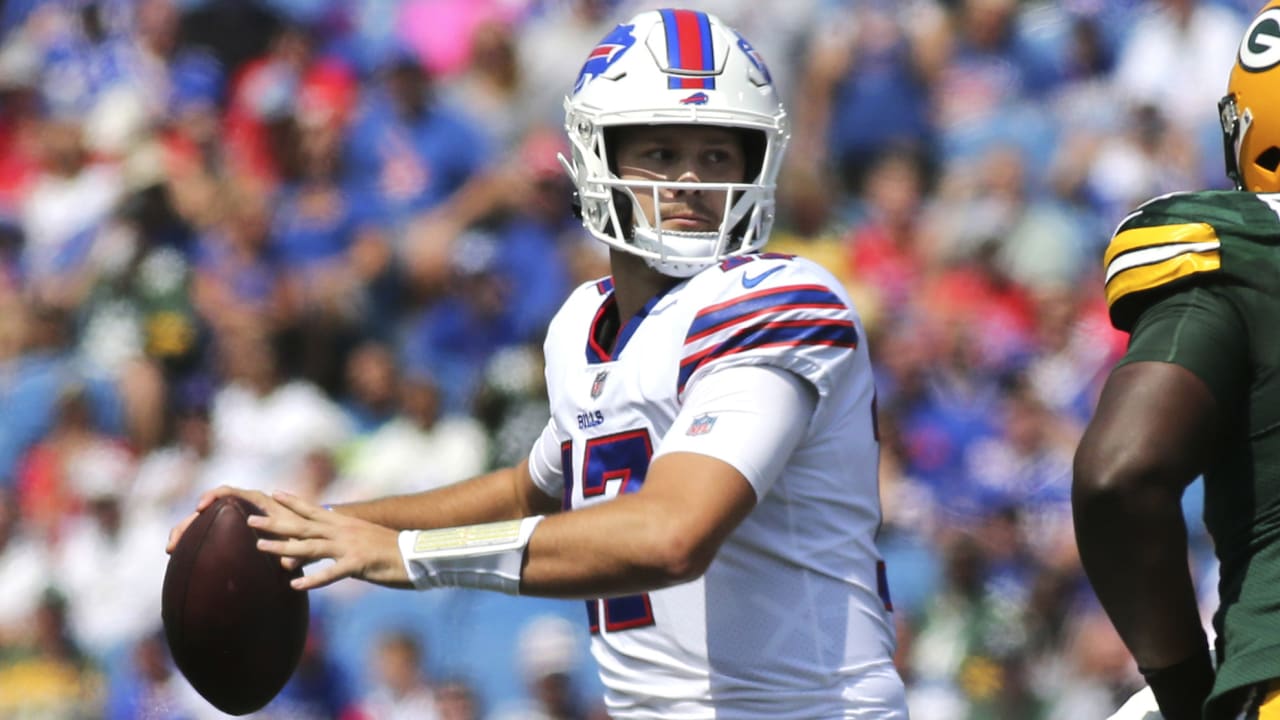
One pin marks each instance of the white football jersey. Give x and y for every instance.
(792, 619)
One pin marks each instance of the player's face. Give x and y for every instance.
(683, 153)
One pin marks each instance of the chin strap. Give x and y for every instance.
(484, 557)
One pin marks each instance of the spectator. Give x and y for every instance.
(408, 149)
(456, 700)
(48, 676)
(1027, 465)
(511, 403)
(1099, 673)
(491, 87)
(994, 211)
(63, 211)
(964, 659)
(890, 250)
(452, 337)
(547, 653)
(319, 689)
(1175, 57)
(172, 475)
(239, 282)
(551, 48)
(329, 237)
(421, 447)
(108, 561)
(993, 78)
(39, 369)
(1075, 345)
(150, 687)
(47, 477)
(401, 689)
(24, 571)
(871, 61)
(264, 420)
(372, 384)
(1147, 156)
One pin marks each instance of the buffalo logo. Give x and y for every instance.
(597, 385)
(701, 425)
(605, 54)
(755, 58)
(698, 98)
(1260, 49)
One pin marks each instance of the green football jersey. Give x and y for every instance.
(1196, 278)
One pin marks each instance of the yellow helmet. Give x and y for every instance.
(1250, 111)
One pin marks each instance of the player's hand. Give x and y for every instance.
(262, 500)
(1140, 706)
(308, 532)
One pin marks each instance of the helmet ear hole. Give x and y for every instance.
(1268, 159)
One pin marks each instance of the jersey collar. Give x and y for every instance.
(596, 352)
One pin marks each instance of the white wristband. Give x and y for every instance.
(485, 557)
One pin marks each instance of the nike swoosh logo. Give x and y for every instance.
(750, 282)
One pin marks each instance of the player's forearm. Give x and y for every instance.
(503, 494)
(634, 543)
(1129, 536)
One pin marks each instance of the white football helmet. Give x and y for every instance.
(674, 67)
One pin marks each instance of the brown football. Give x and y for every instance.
(234, 625)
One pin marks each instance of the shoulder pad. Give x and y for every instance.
(771, 310)
(1169, 242)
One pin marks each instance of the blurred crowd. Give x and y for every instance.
(312, 245)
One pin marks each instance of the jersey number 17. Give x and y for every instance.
(614, 463)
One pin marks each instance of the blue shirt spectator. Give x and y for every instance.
(408, 151)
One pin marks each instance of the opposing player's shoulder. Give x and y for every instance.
(1181, 240)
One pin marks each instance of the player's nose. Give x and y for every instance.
(688, 175)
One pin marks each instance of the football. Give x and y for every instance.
(235, 627)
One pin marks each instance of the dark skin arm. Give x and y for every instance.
(1150, 436)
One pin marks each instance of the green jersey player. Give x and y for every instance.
(1195, 279)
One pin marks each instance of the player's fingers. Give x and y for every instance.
(208, 497)
(319, 578)
(284, 522)
(176, 533)
(295, 548)
(255, 497)
(299, 505)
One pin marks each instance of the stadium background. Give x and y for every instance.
(312, 244)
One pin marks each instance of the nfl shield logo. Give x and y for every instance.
(701, 425)
(597, 385)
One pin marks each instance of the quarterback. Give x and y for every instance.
(707, 482)
(1195, 278)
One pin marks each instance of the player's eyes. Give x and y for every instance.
(660, 154)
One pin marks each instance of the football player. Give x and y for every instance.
(708, 479)
(1195, 278)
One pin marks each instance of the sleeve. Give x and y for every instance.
(1200, 330)
(546, 464)
(784, 313)
(1158, 249)
(751, 416)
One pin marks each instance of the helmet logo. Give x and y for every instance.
(698, 98)
(605, 54)
(1261, 47)
(755, 59)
